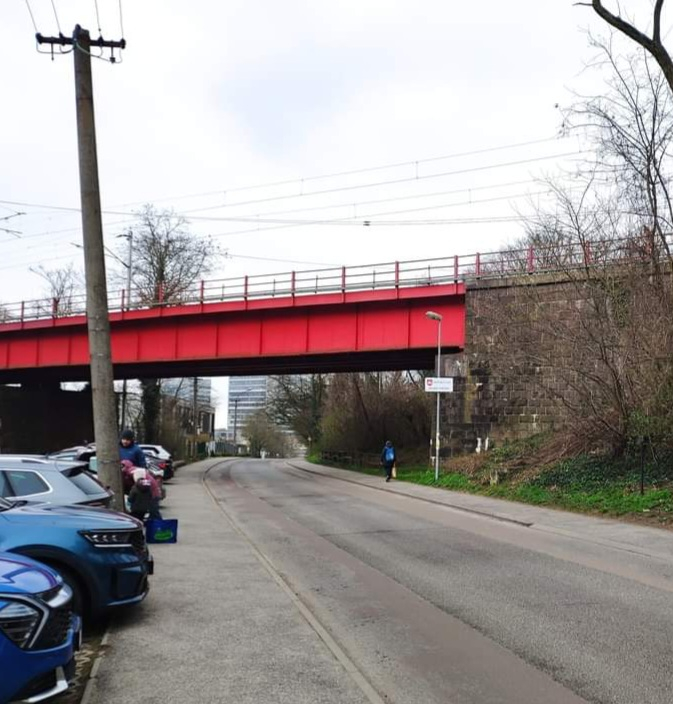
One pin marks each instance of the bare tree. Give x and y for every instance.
(653, 45)
(168, 259)
(167, 262)
(62, 286)
(264, 435)
(298, 402)
(599, 343)
(631, 126)
(364, 410)
(5, 315)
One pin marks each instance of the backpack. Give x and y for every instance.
(390, 454)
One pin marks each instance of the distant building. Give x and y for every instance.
(247, 395)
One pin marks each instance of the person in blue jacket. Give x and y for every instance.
(128, 450)
(388, 459)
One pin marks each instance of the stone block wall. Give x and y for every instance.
(497, 394)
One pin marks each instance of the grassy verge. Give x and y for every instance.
(586, 484)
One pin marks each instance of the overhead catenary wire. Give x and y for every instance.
(131, 217)
(495, 220)
(350, 172)
(190, 214)
(390, 182)
(368, 219)
(415, 196)
(274, 259)
(263, 217)
(359, 221)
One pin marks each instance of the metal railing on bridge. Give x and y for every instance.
(388, 275)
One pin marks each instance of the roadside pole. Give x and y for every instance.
(129, 283)
(98, 322)
(431, 315)
(195, 414)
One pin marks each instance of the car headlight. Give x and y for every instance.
(108, 538)
(19, 622)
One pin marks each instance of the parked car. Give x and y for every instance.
(44, 479)
(160, 469)
(158, 450)
(39, 632)
(70, 453)
(163, 459)
(101, 554)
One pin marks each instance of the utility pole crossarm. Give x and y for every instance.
(62, 40)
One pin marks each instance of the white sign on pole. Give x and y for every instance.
(439, 384)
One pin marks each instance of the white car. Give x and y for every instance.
(157, 450)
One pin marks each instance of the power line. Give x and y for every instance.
(351, 172)
(100, 31)
(390, 182)
(363, 220)
(58, 24)
(190, 213)
(355, 219)
(351, 221)
(73, 210)
(121, 19)
(368, 218)
(272, 259)
(415, 196)
(453, 221)
(32, 17)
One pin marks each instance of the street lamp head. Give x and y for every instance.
(433, 316)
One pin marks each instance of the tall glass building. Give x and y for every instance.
(247, 394)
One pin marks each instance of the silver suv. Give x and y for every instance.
(53, 481)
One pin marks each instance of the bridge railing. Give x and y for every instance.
(386, 275)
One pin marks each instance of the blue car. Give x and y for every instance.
(38, 631)
(101, 555)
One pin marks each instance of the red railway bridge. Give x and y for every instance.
(344, 319)
(347, 319)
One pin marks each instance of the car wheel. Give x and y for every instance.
(79, 604)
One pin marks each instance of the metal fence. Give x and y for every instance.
(388, 275)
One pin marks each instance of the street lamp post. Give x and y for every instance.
(235, 422)
(436, 316)
(129, 282)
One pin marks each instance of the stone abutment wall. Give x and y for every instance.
(499, 394)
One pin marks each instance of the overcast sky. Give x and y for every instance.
(214, 97)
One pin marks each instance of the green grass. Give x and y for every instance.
(586, 484)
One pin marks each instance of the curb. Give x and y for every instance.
(323, 634)
(93, 675)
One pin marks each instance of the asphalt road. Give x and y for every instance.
(431, 604)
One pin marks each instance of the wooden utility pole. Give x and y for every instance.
(98, 321)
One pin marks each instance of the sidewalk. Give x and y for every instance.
(651, 542)
(216, 626)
